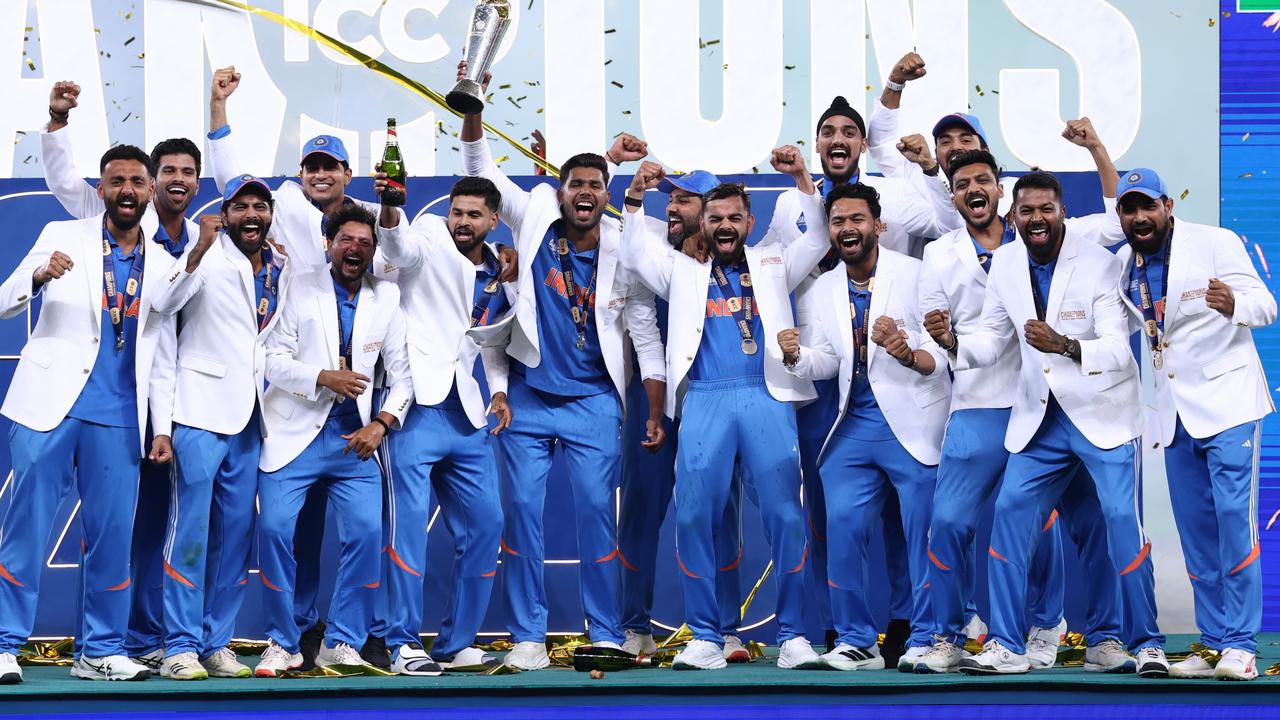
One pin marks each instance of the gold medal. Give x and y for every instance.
(492, 287)
(1157, 359)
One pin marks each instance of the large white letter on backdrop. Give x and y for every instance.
(1104, 47)
(939, 31)
(176, 81)
(837, 58)
(748, 127)
(68, 50)
(574, 59)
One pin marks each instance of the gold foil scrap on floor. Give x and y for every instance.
(331, 671)
(680, 637)
(47, 653)
(497, 646)
(561, 653)
(755, 649)
(247, 647)
(1071, 650)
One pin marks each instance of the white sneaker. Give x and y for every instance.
(943, 657)
(411, 659)
(975, 630)
(223, 663)
(340, 654)
(276, 660)
(1152, 663)
(1042, 645)
(528, 655)
(995, 659)
(798, 654)
(1236, 664)
(183, 666)
(1194, 667)
(470, 657)
(112, 667)
(847, 657)
(1108, 656)
(907, 663)
(734, 651)
(10, 670)
(151, 660)
(700, 655)
(639, 643)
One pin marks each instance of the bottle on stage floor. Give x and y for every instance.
(393, 166)
(587, 657)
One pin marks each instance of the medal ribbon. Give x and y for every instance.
(579, 303)
(1152, 317)
(860, 334)
(344, 348)
(268, 291)
(118, 306)
(744, 311)
(1041, 310)
(489, 299)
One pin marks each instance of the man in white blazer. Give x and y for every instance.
(574, 311)
(321, 430)
(953, 286)
(79, 403)
(453, 302)
(225, 296)
(887, 434)
(177, 175)
(732, 395)
(1196, 315)
(1077, 403)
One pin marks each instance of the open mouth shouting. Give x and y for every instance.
(352, 264)
(978, 206)
(675, 225)
(584, 209)
(1037, 232)
(838, 157)
(850, 243)
(177, 192)
(1142, 231)
(127, 207)
(251, 231)
(726, 241)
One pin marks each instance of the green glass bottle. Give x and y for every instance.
(393, 166)
(587, 657)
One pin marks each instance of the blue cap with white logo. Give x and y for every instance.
(328, 145)
(240, 183)
(1142, 180)
(697, 182)
(960, 120)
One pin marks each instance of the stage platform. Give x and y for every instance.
(757, 690)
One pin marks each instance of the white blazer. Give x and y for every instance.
(915, 405)
(685, 284)
(61, 351)
(1211, 376)
(79, 198)
(437, 295)
(623, 308)
(905, 213)
(951, 279)
(1100, 394)
(304, 341)
(219, 351)
(295, 222)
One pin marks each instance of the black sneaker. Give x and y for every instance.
(309, 645)
(895, 642)
(375, 653)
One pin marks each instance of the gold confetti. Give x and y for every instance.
(788, 67)
(142, 56)
(1210, 22)
(725, 66)
(31, 64)
(1184, 194)
(503, 159)
(610, 31)
(504, 86)
(868, 88)
(615, 83)
(539, 111)
(513, 102)
(126, 42)
(1246, 175)
(1245, 138)
(979, 89)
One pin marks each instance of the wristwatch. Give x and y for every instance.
(1070, 347)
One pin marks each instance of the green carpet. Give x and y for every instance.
(759, 677)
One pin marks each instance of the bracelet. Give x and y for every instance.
(633, 202)
(609, 157)
(914, 362)
(383, 423)
(59, 116)
(955, 342)
(894, 86)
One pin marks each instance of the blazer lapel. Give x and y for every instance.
(1126, 263)
(1061, 278)
(327, 302)
(366, 309)
(842, 306)
(93, 274)
(244, 269)
(963, 246)
(880, 293)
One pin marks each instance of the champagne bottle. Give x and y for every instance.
(588, 657)
(393, 166)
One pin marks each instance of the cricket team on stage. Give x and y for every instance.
(894, 356)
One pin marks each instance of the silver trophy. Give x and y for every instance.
(489, 21)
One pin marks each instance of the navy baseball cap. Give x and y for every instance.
(1142, 180)
(241, 183)
(962, 120)
(697, 182)
(328, 145)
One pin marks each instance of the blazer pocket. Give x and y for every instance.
(931, 393)
(284, 410)
(37, 353)
(204, 365)
(1073, 320)
(1225, 364)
